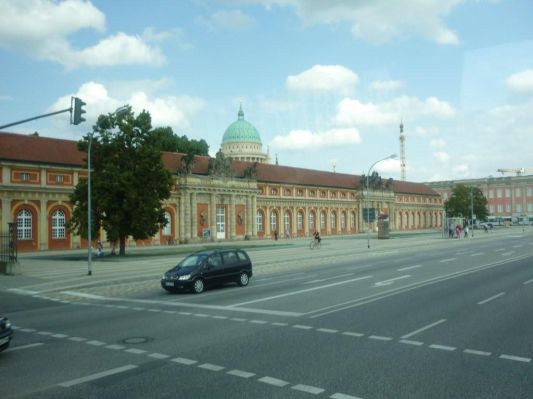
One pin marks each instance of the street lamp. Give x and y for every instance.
(119, 111)
(392, 156)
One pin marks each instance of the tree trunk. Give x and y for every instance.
(122, 251)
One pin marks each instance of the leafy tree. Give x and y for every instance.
(165, 139)
(460, 203)
(128, 183)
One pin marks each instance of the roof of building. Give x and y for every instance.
(241, 131)
(30, 149)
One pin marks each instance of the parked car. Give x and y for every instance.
(209, 268)
(5, 333)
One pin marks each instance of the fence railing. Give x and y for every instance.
(8, 244)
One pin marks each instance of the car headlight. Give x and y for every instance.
(8, 324)
(184, 277)
(164, 276)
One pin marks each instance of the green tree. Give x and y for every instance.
(128, 183)
(460, 203)
(165, 139)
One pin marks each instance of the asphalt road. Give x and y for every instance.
(421, 317)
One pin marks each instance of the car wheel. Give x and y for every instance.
(244, 279)
(198, 286)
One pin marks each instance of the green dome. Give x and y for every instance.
(241, 131)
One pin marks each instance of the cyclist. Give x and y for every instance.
(317, 237)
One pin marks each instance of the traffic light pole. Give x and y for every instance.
(36, 117)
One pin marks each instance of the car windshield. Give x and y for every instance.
(190, 263)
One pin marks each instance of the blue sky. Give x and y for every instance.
(325, 82)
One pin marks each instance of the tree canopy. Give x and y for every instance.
(128, 181)
(460, 203)
(165, 139)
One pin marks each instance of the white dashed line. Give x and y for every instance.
(273, 381)
(201, 315)
(140, 309)
(327, 330)
(240, 373)
(475, 352)
(238, 319)
(427, 327)
(97, 376)
(409, 342)
(211, 367)
(135, 351)
(182, 360)
(308, 389)
(220, 317)
(516, 358)
(95, 343)
(353, 334)
(45, 333)
(302, 327)
(154, 310)
(380, 338)
(170, 311)
(478, 254)
(17, 348)
(259, 321)
(528, 282)
(277, 323)
(442, 347)
(491, 298)
(158, 355)
(409, 268)
(59, 335)
(77, 339)
(343, 396)
(30, 330)
(507, 253)
(115, 347)
(447, 260)
(185, 313)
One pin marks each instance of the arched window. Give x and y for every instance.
(343, 220)
(167, 230)
(259, 221)
(58, 224)
(311, 220)
(300, 220)
(287, 222)
(352, 219)
(333, 220)
(273, 221)
(322, 220)
(24, 225)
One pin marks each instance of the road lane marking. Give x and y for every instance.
(301, 327)
(115, 347)
(408, 268)
(240, 373)
(211, 367)
(97, 376)
(442, 347)
(491, 298)
(23, 291)
(238, 319)
(478, 254)
(343, 396)
(299, 291)
(516, 358)
(380, 338)
(60, 335)
(427, 327)
(475, 352)
(279, 324)
(184, 361)
(17, 348)
(156, 355)
(30, 330)
(447, 260)
(353, 334)
(409, 342)
(45, 333)
(390, 281)
(329, 278)
(95, 343)
(258, 321)
(136, 351)
(327, 330)
(499, 250)
(308, 389)
(507, 253)
(528, 282)
(273, 381)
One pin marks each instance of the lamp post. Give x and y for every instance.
(392, 156)
(472, 211)
(119, 111)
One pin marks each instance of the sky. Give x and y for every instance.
(326, 83)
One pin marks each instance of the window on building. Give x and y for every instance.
(530, 207)
(259, 221)
(24, 225)
(311, 220)
(287, 222)
(322, 220)
(500, 208)
(499, 193)
(333, 220)
(491, 193)
(167, 230)
(519, 208)
(221, 220)
(352, 219)
(343, 220)
(59, 179)
(507, 193)
(299, 220)
(518, 192)
(507, 207)
(530, 191)
(312, 193)
(25, 176)
(58, 224)
(274, 191)
(273, 222)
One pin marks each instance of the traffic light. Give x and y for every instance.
(77, 111)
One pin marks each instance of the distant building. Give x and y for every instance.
(509, 198)
(245, 197)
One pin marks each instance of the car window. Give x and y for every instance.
(193, 260)
(229, 257)
(214, 260)
(242, 256)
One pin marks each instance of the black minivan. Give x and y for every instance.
(208, 268)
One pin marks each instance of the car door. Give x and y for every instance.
(231, 265)
(213, 269)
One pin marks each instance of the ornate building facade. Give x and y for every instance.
(213, 199)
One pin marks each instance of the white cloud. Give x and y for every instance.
(41, 29)
(379, 21)
(442, 156)
(388, 166)
(353, 112)
(324, 78)
(304, 139)
(521, 82)
(413, 107)
(234, 20)
(437, 143)
(386, 85)
(174, 111)
(461, 169)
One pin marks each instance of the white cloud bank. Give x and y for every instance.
(379, 21)
(304, 139)
(41, 28)
(233, 20)
(521, 82)
(324, 78)
(386, 85)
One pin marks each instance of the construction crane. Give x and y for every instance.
(518, 171)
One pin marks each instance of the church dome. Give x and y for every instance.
(241, 131)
